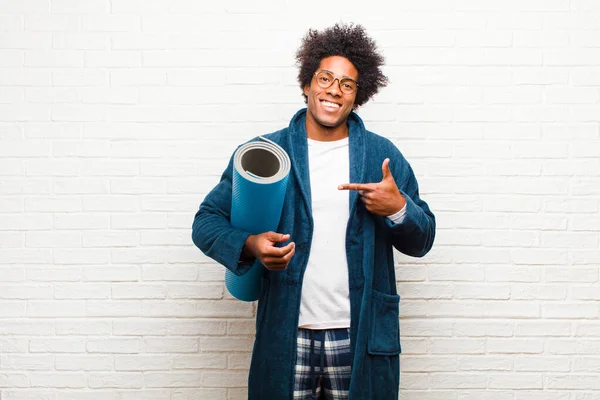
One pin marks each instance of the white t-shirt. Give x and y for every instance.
(325, 302)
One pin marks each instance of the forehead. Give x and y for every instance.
(340, 66)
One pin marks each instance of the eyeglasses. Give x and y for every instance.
(325, 79)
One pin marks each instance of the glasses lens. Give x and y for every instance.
(347, 86)
(324, 79)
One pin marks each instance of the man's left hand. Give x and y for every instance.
(381, 198)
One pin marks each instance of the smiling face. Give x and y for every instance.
(328, 108)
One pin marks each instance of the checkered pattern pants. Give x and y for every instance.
(323, 365)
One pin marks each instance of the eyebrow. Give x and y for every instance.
(343, 76)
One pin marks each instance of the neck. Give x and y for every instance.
(316, 131)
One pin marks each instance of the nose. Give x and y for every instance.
(335, 88)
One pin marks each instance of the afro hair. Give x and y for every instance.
(351, 42)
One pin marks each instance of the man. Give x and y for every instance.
(327, 323)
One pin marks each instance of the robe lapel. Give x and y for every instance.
(358, 155)
(298, 152)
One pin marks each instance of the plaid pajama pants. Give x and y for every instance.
(323, 365)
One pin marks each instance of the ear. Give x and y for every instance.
(306, 89)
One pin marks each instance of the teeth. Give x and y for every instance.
(328, 104)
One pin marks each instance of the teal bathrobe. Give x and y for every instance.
(374, 302)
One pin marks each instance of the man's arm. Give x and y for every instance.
(414, 233)
(414, 236)
(235, 249)
(213, 234)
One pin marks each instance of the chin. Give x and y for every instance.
(330, 123)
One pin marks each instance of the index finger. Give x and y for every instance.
(280, 251)
(356, 186)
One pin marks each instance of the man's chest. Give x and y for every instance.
(327, 170)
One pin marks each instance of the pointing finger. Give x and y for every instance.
(357, 186)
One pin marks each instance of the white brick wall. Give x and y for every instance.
(118, 116)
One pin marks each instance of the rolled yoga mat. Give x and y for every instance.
(260, 176)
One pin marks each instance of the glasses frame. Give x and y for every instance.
(334, 79)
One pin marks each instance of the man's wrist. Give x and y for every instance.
(246, 254)
(398, 217)
(244, 258)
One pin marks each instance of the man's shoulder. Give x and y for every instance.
(382, 143)
(377, 138)
(277, 136)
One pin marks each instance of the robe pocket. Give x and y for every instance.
(384, 338)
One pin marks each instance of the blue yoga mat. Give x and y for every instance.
(260, 176)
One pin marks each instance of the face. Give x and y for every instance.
(330, 107)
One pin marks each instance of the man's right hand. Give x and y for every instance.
(262, 247)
